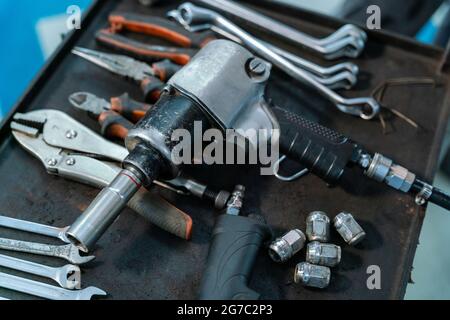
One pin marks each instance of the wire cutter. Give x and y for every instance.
(155, 27)
(150, 78)
(116, 117)
(69, 149)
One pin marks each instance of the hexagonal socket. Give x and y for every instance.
(318, 227)
(284, 248)
(323, 254)
(311, 275)
(348, 228)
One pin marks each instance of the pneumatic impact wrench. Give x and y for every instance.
(223, 87)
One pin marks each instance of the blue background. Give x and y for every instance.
(21, 56)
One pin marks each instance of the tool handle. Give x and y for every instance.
(31, 287)
(321, 150)
(235, 243)
(159, 27)
(165, 69)
(28, 267)
(174, 221)
(151, 88)
(32, 247)
(129, 108)
(32, 227)
(142, 51)
(114, 126)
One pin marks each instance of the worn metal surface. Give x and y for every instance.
(138, 261)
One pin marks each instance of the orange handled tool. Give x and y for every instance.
(116, 117)
(114, 126)
(149, 77)
(142, 51)
(160, 28)
(129, 108)
(186, 42)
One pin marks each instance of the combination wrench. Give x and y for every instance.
(46, 291)
(36, 228)
(67, 252)
(348, 41)
(339, 76)
(68, 277)
(366, 108)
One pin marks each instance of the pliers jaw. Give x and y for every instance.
(118, 64)
(66, 147)
(88, 102)
(29, 124)
(28, 130)
(59, 130)
(48, 155)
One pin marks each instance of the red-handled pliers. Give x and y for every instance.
(187, 42)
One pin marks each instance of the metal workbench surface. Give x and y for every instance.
(136, 260)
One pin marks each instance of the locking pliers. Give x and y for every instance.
(69, 149)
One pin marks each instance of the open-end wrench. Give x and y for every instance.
(67, 252)
(68, 277)
(32, 227)
(46, 291)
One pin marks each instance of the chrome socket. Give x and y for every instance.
(349, 229)
(312, 275)
(318, 227)
(323, 254)
(284, 248)
(103, 211)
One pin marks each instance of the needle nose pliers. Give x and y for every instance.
(149, 77)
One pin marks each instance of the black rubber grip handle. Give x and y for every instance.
(151, 88)
(113, 125)
(129, 108)
(235, 244)
(165, 69)
(323, 151)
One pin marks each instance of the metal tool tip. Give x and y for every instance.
(78, 98)
(76, 50)
(80, 49)
(83, 52)
(88, 293)
(96, 291)
(87, 259)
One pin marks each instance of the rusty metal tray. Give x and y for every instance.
(136, 260)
